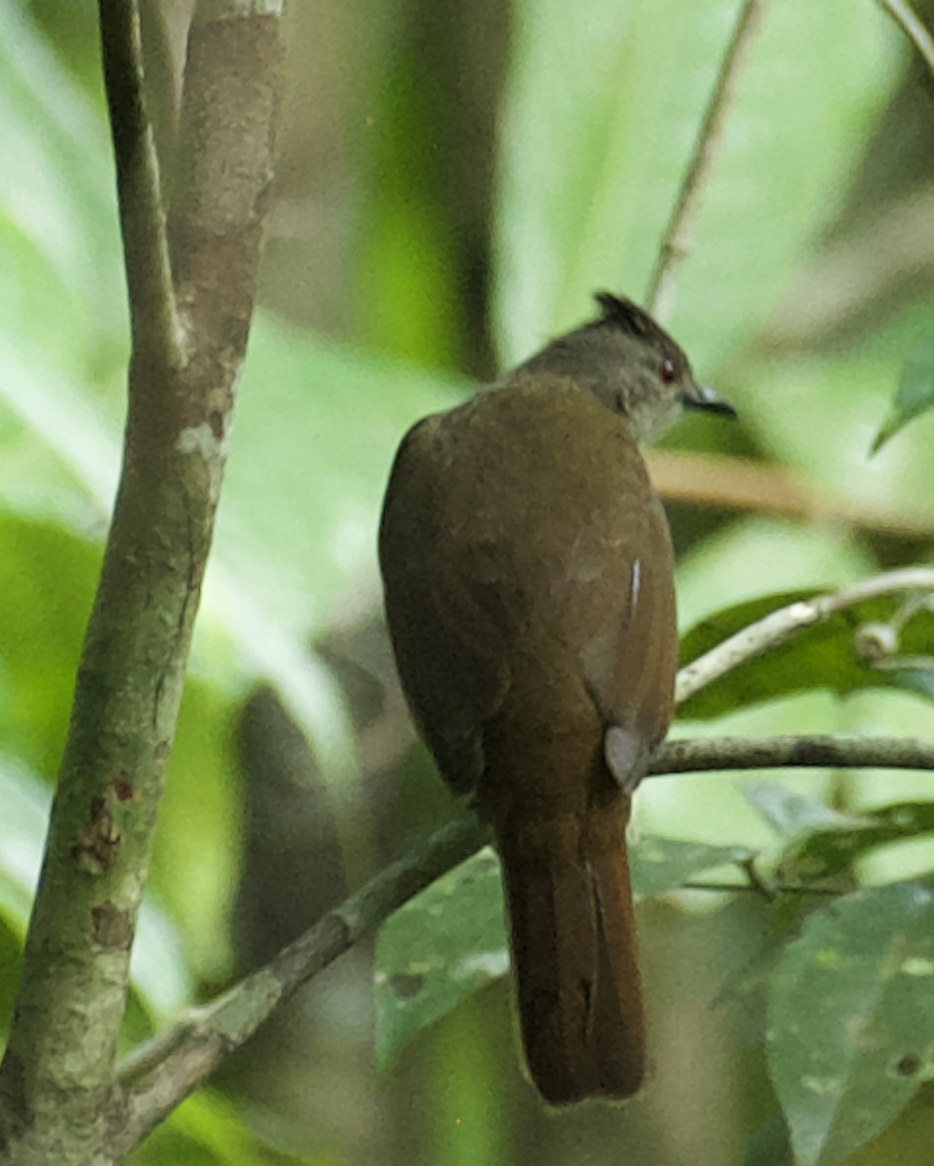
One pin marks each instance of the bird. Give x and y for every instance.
(528, 580)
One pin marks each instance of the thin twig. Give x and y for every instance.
(912, 27)
(780, 626)
(153, 318)
(677, 236)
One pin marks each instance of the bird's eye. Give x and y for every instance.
(667, 372)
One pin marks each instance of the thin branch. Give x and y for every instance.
(162, 1073)
(677, 236)
(912, 27)
(850, 752)
(153, 317)
(780, 626)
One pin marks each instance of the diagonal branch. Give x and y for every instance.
(676, 239)
(161, 1074)
(189, 324)
(912, 27)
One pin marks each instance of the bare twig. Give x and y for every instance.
(912, 27)
(189, 323)
(780, 626)
(676, 239)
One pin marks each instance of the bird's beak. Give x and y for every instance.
(708, 400)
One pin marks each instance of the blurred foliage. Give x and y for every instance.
(456, 181)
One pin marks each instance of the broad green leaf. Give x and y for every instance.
(915, 395)
(317, 427)
(851, 1019)
(450, 940)
(823, 656)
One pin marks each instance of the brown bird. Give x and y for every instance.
(529, 589)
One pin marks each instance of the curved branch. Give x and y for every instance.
(779, 626)
(912, 27)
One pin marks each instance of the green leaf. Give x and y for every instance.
(915, 395)
(769, 1145)
(831, 852)
(851, 1019)
(820, 657)
(448, 942)
(794, 814)
(451, 941)
(665, 864)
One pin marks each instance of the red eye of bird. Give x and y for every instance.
(667, 372)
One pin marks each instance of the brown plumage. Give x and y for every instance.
(529, 593)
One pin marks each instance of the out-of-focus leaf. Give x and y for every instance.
(602, 110)
(915, 395)
(793, 814)
(450, 940)
(317, 427)
(769, 1145)
(833, 851)
(665, 864)
(206, 1130)
(822, 656)
(851, 1019)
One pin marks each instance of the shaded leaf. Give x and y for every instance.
(833, 852)
(769, 1145)
(791, 813)
(851, 1019)
(665, 864)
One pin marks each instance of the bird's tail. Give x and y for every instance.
(574, 952)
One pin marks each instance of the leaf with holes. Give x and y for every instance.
(851, 1019)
